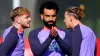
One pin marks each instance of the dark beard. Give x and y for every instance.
(49, 25)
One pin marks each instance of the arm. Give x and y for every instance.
(9, 43)
(76, 41)
(36, 47)
(65, 44)
(88, 45)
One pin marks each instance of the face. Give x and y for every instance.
(67, 20)
(49, 17)
(24, 21)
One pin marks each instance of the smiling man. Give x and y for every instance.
(13, 42)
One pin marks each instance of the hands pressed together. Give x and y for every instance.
(53, 33)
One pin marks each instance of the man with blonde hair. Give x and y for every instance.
(13, 42)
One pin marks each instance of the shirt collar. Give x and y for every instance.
(46, 28)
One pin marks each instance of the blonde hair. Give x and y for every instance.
(19, 11)
(78, 12)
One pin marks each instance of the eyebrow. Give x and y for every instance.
(50, 15)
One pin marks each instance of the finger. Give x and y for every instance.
(52, 27)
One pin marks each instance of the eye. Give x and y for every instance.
(27, 17)
(47, 15)
(53, 15)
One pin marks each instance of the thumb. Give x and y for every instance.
(52, 27)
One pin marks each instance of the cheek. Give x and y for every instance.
(67, 23)
(54, 19)
(24, 21)
(45, 19)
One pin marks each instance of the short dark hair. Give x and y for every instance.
(49, 5)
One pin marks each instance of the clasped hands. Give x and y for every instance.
(53, 32)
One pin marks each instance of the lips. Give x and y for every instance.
(50, 22)
(28, 23)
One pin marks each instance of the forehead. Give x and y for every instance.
(66, 13)
(49, 11)
(25, 15)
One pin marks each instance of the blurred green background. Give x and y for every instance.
(92, 13)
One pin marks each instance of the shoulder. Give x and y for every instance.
(12, 34)
(6, 31)
(13, 31)
(33, 34)
(85, 30)
(35, 30)
(66, 31)
(62, 29)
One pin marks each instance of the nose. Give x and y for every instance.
(29, 19)
(51, 18)
(64, 21)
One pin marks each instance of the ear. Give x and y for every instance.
(17, 19)
(41, 16)
(71, 18)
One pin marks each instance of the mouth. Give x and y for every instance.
(50, 22)
(28, 23)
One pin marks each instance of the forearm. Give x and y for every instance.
(65, 45)
(8, 44)
(38, 48)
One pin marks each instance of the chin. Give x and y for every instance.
(26, 27)
(67, 27)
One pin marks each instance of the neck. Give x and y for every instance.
(18, 26)
(76, 22)
(46, 28)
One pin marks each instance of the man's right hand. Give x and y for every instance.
(53, 32)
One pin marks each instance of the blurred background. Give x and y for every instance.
(92, 13)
